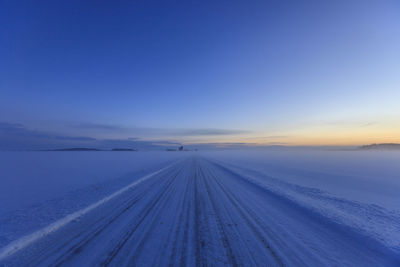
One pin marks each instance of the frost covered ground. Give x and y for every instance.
(37, 188)
(245, 208)
(359, 189)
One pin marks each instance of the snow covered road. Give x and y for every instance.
(200, 213)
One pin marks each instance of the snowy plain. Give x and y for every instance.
(353, 192)
(359, 189)
(37, 188)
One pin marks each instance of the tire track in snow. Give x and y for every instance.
(251, 219)
(199, 243)
(222, 230)
(183, 221)
(76, 244)
(76, 249)
(193, 214)
(352, 246)
(238, 234)
(25, 241)
(128, 234)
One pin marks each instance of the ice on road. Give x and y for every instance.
(200, 213)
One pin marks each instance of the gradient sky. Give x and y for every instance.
(264, 72)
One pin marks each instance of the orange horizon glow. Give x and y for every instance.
(313, 137)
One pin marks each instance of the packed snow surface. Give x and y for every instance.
(238, 208)
(37, 188)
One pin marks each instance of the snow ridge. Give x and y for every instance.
(25, 241)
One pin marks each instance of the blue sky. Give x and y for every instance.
(289, 72)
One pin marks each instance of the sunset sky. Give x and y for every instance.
(256, 72)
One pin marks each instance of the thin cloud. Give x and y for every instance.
(277, 136)
(148, 131)
(268, 137)
(277, 143)
(368, 124)
(14, 136)
(208, 132)
(18, 130)
(97, 126)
